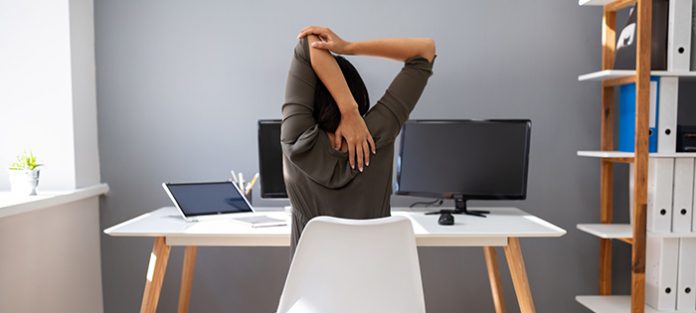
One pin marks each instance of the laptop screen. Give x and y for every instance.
(196, 199)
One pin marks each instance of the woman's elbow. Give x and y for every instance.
(429, 49)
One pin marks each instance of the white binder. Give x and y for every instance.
(683, 195)
(679, 35)
(667, 117)
(660, 174)
(686, 280)
(662, 257)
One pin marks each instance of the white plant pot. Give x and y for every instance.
(24, 182)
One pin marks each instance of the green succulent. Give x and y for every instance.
(25, 161)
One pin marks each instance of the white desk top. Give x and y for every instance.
(493, 230)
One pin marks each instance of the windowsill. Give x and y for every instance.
(11, 204)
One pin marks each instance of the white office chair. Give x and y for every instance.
(349, 266)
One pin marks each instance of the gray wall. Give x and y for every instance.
(181, 84)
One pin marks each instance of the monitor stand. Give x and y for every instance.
(460, 208)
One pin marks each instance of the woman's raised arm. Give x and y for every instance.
(352, 126)
(393, 48)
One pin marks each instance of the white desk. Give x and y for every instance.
(502, 228)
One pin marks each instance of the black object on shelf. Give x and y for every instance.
(686, 138)
(625, 55)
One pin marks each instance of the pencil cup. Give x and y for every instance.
(249, 196)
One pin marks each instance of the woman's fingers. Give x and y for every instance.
(359, 155)
(338, 139)
(306, 28)
(358, 138)
(323, 37)
(366, 151)
(351, 155)
(304, 32)
(322, 45)
(314, 30)
(372, 144)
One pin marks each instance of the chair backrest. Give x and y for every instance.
(365, 266)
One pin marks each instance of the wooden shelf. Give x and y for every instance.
(608, 231)
(612, 156)
(611, 304)
(606, 154)
(609, 5)
(630, 155)
(616, 74)
(594, 2)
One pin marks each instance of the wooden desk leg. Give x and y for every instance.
(187, 278)
(513, 254)
(494, 278)
(155, 275)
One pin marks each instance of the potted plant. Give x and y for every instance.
(24, 174)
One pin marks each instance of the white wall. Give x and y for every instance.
(47, 90)
(84, 92)
(50, 260)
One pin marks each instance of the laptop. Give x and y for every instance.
(216, 200)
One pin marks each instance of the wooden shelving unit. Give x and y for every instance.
(634, 234)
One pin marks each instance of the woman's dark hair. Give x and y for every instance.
(326, 111)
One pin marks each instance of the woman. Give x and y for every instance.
(337, 155)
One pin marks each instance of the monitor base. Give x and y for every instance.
(479, 213)
(460, 208)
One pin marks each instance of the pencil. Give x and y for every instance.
(251, 183)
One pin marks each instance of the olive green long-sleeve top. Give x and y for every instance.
(319, 179)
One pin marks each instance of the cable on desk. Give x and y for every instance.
(436, 202)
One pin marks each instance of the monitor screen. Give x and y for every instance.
(196, 199)
(271, 160)
(464, 158)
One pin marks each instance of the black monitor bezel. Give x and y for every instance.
(452, 195)
(264, 193)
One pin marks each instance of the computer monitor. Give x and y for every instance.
(464, 160)
(271, 160)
